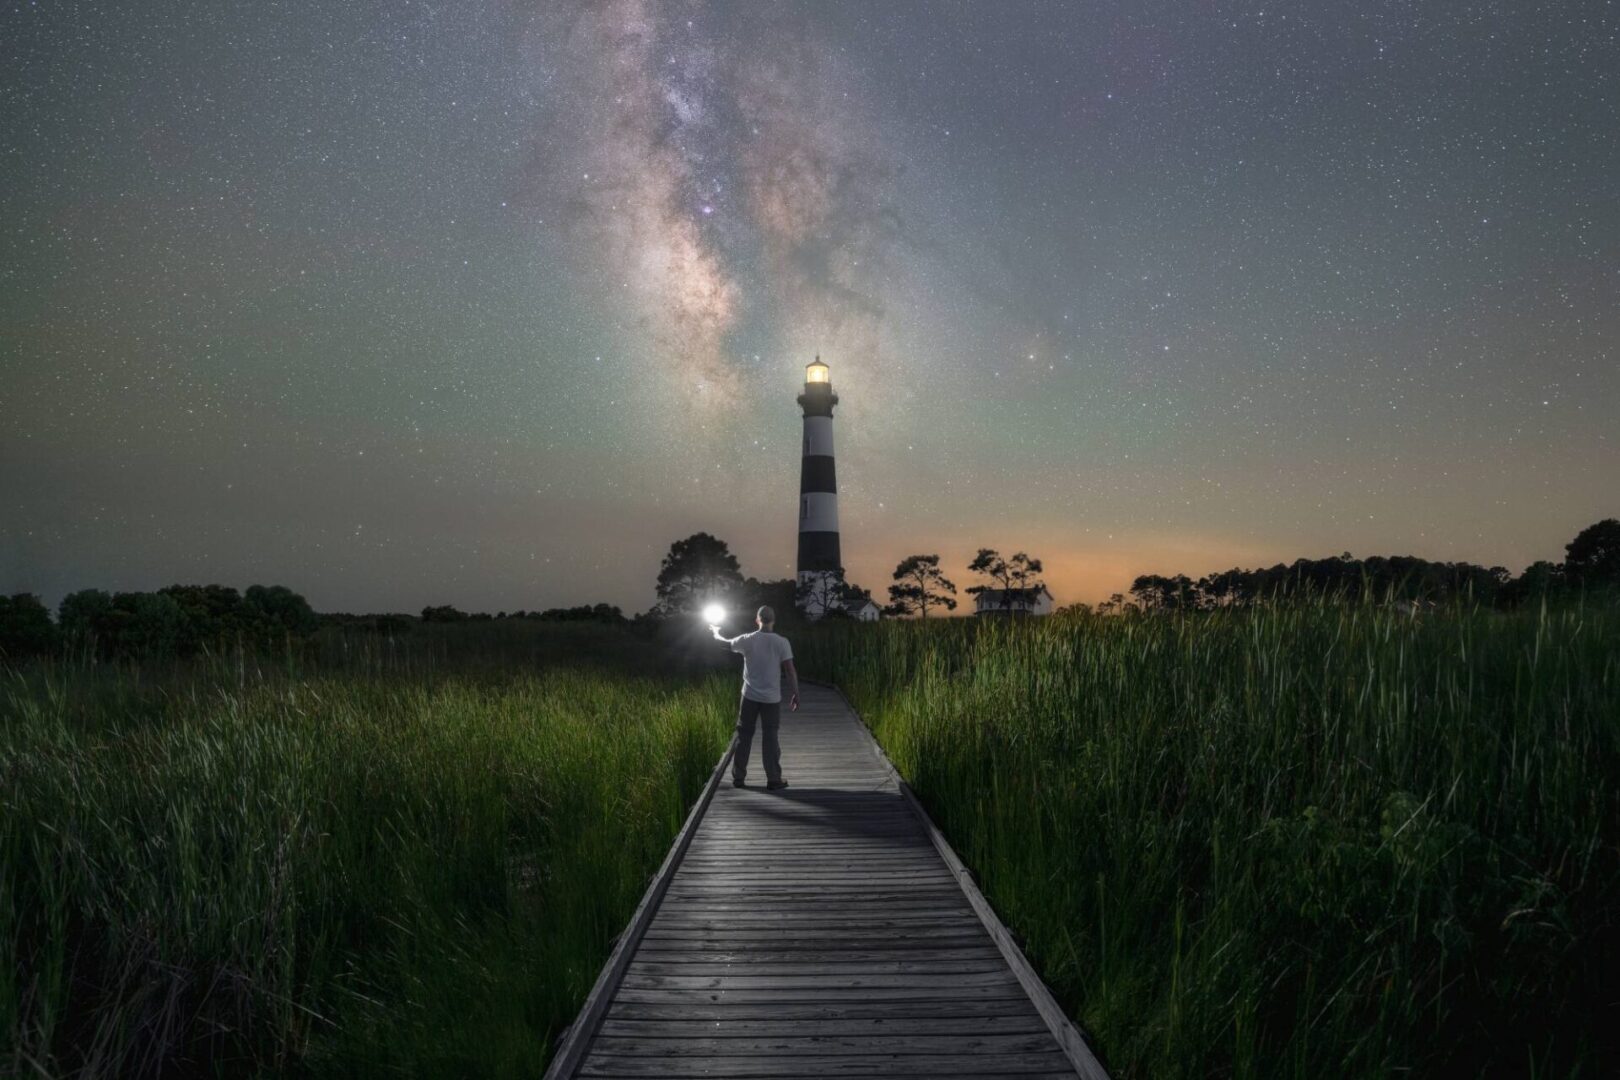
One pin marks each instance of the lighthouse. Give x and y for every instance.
(820, 562)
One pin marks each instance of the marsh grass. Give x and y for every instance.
(392, 859)
(1324, 840)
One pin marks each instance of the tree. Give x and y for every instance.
(1115, 605)
(918, 586)
(1019, 573)
(828, 596)
(25, 626)
(1593, 557)
(213, 615)
(602, 613)
(443, 613)
(1154, 592)
(1540, 581)
(83, 618)
(156, 624)
(779, 595)
(698, 570)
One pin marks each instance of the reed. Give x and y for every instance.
(399, 859)
(1319, 840)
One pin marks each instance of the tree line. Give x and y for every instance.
(1591, 564)
(181, 620)
(184, 620)
(701, 569)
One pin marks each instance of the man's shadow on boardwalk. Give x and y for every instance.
(880, 813)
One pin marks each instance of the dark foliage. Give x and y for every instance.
(602, 613)
(698, 570)
(25, 626)
(1009, 576)
(182, 620)
(1593, 557)
(918, 586)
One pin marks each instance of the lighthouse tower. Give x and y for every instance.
(820, 562)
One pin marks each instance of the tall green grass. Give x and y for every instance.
(396, 861)
(1316, 841)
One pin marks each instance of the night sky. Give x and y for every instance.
(485, 304)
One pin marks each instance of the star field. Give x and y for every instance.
(402, 304)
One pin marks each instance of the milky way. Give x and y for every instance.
(402, 304)
(714, 173)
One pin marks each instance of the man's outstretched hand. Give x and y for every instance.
(793, 703)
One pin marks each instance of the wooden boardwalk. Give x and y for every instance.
(823, 930)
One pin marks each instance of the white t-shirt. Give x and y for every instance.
(763, 653)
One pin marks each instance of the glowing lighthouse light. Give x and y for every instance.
(816, 372)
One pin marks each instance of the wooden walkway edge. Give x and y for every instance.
(825, 930)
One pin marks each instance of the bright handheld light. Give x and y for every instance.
(714, 614)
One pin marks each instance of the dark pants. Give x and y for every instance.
(747, 713)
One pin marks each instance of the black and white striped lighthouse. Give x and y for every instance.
(820, 561)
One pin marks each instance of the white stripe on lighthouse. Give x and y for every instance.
(818, 435)
(818, 512)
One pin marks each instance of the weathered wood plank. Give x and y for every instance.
(842, 1065)
(931, 990)
(703, 1013)
(795, 1046)
(712, 941)
(652, 952)
(795, 967)
(1027, 1023)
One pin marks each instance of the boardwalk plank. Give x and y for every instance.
(794, 1046)
(1024, 1024)
(946, 1064)
(702, 1013)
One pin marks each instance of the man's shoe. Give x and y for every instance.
(737, 783)
(776, 785)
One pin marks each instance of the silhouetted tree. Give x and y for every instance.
(1115, 605)
(918, 586)
(1541, 580)
(1019, 572)
(829, 596)
(697, 571)
(1593, 557)
(83, 618)
(155, 625)
(443, 613)
(1155, 592)
(212, 616)
(602, 613)
(780, 595)
(25, 627)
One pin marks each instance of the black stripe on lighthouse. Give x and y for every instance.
(818, 552)
(818, 474)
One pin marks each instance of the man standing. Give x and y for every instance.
(765, 655)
